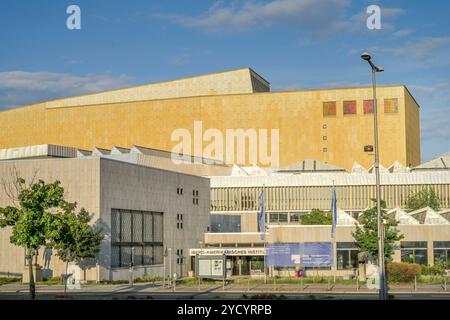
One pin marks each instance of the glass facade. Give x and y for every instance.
(441, 252)
(305, 198)
(136, 236)
(225, 223)
(346, 255)
(414, 252)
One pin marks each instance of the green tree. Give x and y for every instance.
(73, 238)
(41, 217)
(317, 217)
(423, 198)
(30, 218)
(366, 237)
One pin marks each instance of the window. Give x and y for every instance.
(414, 252)
(136, 237)
(295, 217)
(350, 107)
(324, 126)
(179, 221)
(180, 256)
(278, 217)
(391, 105)
(325, 149)
(324, 138)
(368, 106)
(225, 223)
(441, 252)
(329, 108)
(195, 197)
(180, 191)
(346, 255)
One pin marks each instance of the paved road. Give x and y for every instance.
(292, 291)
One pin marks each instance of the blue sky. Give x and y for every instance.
(295, 44)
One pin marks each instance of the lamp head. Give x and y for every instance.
(366, 56)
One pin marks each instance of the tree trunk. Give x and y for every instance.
(31, 276)
(65, 282)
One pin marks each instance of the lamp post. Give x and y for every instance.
(383, 287)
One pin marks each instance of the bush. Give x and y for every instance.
(436, 270)
(403, 272)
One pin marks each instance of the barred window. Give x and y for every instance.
(391, 105)
(136, 237)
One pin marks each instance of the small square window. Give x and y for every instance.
(350, 107)
(329, 108)
(391, 105)
(324, 138)
(324, 126)
(325, 149)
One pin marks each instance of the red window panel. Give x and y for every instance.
(350, 107)
(368, 106)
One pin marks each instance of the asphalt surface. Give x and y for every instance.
(205, 292)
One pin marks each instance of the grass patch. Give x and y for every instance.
(50, 281)
(431, 279)
(6, 280)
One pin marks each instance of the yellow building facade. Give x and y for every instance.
(330, 125)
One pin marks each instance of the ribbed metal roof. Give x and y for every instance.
(328, 179)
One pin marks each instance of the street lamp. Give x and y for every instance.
(383, 287)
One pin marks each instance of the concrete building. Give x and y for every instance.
(293, 192)
(312, 124)
(142, 210)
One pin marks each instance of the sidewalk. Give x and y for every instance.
(143, 288)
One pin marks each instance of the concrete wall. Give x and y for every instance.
(81, 182)
(133, 187)
(99, 185)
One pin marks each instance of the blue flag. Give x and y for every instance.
(262, 217)
(333, 212)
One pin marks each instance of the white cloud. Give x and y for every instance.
(402, 33)
(21, 87)
(321, 17)
(435, 125)
(434, 100)
(419, 49)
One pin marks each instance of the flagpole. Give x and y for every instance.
(334, 234)
(264, 232)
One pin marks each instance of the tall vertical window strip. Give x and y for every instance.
(350, 107)
(329, 108)
(136, 236)
(391, 105)
(368, 106)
